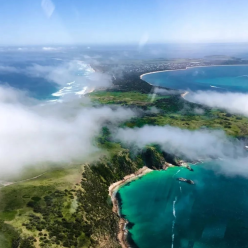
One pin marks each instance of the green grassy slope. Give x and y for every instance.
(175, 111)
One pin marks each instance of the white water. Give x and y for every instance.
(174, 209)
(74, 87)
(174, 221)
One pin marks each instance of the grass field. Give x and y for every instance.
(14, 199)
(124, 98)
(175, 111)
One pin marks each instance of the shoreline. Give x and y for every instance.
(113, 188)
(186, 69)
(186, 92)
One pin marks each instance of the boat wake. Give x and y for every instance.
(174, 209)
(173, 222)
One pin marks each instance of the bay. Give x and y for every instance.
(217, 78)
(165, 212)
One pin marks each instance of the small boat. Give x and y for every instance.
(186, 180)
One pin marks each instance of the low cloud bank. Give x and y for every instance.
(34, 133)
(65, 73)
(163, 91)
(190, 144)
(236, 103)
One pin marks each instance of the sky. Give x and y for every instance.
(37, 22)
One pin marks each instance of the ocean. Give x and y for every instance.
(164, 212)
(215, 78)
(27, 74)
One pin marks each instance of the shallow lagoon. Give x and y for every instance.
(165, 212)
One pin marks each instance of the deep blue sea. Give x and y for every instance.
(217, 78)
(36, 87)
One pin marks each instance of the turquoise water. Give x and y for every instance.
(164, 212)
(218, 78)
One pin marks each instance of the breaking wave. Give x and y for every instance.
(75, 87)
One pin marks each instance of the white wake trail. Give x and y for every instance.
(174, 221)
(174, 209)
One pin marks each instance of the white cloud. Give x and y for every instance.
(8, 69)
(65, 73)
(183, 142)
(230, 156)
(32, 134)
(163, 91)
(51, 48)
(236, 103)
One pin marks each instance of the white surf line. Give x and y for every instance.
(173, 223)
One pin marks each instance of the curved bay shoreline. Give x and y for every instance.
(113, 188)
(191, 67)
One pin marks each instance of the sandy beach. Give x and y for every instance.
(113, 188)
(200, 66)
(163, 71)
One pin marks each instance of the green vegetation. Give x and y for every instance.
(123, 98)
(69, 207)
(19, 204)
(175, 111)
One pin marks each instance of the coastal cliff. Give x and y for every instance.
(100, 182)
